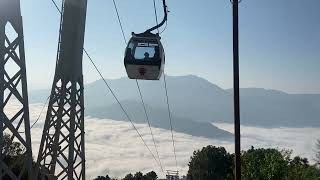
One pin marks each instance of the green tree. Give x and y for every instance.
(128, 177)
(138, 176)
(13, 156)
(264, 164)
(300, 169)
(318, 152)
(213, 163)
(150, 176)
(102, 178)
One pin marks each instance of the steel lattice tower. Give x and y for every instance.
(14, 109)
(61, 154)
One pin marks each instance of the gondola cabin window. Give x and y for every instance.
(146, 51)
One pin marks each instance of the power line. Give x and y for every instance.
(121, 106)
(141, 97)
(55, 4)
(38, 118)
(116, 8)
(156, 17)
(44, 105)
(170, 119)
(125, 112)
(155, 13)
(167, 97)
(149, 124)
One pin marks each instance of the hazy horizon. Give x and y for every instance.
(125, 77)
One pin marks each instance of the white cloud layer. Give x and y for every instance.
(114, 148)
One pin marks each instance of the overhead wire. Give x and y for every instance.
(38, 118)
(165, 27)
(156, 17)
(167, 97)
(44, 105)
(155, 13)
(113, 94)
(139, 89)
(149, 124)
(119, 20)
(170, 120)
(121, 106)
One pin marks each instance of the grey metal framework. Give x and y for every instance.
(62, 153)
(14, 122)
(172, 175)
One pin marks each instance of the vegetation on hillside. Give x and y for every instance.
(211, 162)
(317, 159)
(262, 164)
(137, 176)
(13, 156)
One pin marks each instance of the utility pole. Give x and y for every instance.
(236, 90)
(62, 148)
(14, 122)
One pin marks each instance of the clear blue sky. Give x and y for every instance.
(279, 40)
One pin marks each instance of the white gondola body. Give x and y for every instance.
(144, 58)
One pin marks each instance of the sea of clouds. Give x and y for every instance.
(114, 148)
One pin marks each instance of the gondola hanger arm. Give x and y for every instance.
(165, 9)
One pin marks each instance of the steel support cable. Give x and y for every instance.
(44, 105)
(149, 124)
(167, 97)
(119, 20)
(38, 118)
(155, 13)
(122, 108)
(170, 119)
(164, 18)
(141, 97)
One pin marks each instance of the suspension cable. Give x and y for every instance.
(44, 105)
(121, 106)
(156, 17)
(166, 90)
(141, 97)
(170, 119)
(164, 18)
(119, 20)
(38, 118)
(156, 14)
(57, 7)
(149, 124)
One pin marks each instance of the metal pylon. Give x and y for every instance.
(14, 109)
(62, 154)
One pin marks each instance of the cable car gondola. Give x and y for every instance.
(144, 54)
(144, 57)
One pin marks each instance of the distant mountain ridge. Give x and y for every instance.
(198, 100)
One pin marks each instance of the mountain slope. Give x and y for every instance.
(159, 118)
(198, 100)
